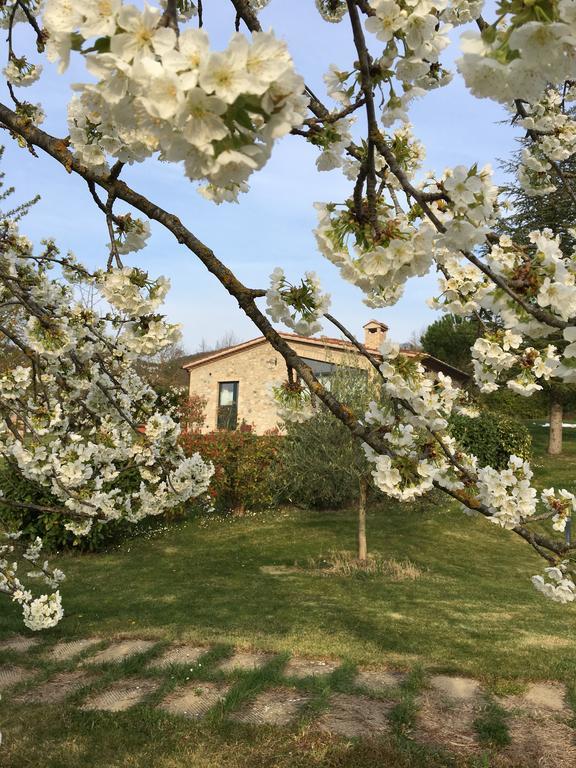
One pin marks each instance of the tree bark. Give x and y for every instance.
(555, 433)
(362, 546)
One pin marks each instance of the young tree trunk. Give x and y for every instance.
(362, 546)
(555, 433)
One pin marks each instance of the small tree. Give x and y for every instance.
(324, 464)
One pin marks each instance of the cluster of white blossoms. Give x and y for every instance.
(559, 587)
(562, 504)
(293, 401)
(20, 72)
(501, 353)
(553, 133)
(297, 306)
(38, 613)
(129, 289)
(78, 419)
(415, 33)
(129, 234)
(379, 258)
(407, 149)
(544, 276)
(421, 452)
(462, 285)
(508, 493)
(471, 206)
(379, 265)
(529, 46)
(334, 138)
(219, 113)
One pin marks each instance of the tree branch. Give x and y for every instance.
(57, 149)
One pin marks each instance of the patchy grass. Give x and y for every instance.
(346, 563)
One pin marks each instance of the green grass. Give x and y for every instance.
(473, 611)
(554, 470)
(202, 580)
(491, 725)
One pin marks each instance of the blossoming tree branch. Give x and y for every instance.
(158, 90)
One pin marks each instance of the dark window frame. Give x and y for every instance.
(227, 415)
(324, 370)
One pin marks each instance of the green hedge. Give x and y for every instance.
(246, 467)
(506, 402)
(492, 438)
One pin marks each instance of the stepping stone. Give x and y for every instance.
(447, 722)
(120, 651)
(355, 716)
(378, 680)
(18, 643)
(121, 695)
(180, 654)
(195, 699)
(246, 662)
(459, 688)
(301, 668)
(539, 699)
(68, 649)
(279, 706)
(9, 676)
(549, 696)
(56, 689)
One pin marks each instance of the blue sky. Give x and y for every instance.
(273, 223)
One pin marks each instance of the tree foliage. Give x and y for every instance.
(450, 339)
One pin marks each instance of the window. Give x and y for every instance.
(322, 370)
(227, 405)
(325, 372)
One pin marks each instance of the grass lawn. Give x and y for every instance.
(472, 611)
(554, 470)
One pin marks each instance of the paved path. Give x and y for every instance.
(196, 681)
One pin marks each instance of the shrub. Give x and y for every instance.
(509, 403)
(537, 406)
(313, 455)
(245, 467)
(324, 465)
(492, 438)
(192, 411)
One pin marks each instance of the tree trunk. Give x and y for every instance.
(555, 433)
(362, 547)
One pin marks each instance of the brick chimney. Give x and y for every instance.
(374, 334)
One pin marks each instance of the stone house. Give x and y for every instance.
(236, 381)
